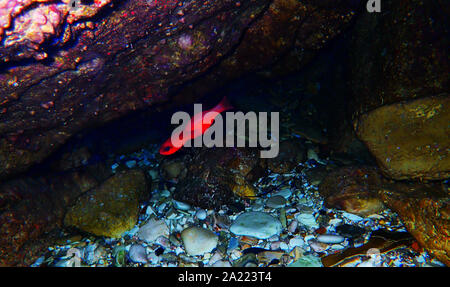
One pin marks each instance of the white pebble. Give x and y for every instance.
(296, 241)
(352, 217)
(330, 238)
(307, 219)
(293, 226)
(284, 246)
(152, 230)
(275, 245)
(256, 224)
(216, 257)
(181, 205)
(198, 241)
(201, 214)
(153, 258)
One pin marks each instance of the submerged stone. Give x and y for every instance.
(198, 241)
(256, 224)
(110, 209)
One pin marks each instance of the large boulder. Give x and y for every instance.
(400, 83)
(410, 140)
(110, 209)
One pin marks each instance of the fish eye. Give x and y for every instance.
(167, 148)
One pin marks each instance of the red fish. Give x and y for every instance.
(195, 127)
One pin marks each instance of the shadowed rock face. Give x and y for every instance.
(63, 70)
(400, 85)
(33, 207)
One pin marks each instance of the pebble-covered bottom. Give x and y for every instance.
(298, 243)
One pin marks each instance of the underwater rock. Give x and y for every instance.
(110, 209)
(31, 207)
(291, 153)
(138, 254)
(152, 230)
(26, 26)
(283, 39)
(256, 224)
(198, 241)
(216, 176)
(173, 169)
(276, 201)
(425, 211)
(74, 159)
(330, 238)
(400, 83)
(353, 189)
(410, 139)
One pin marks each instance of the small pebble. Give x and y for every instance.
(352, 217)
(296, 241)
(153, 258)
(276, 201)
(286, 193)
(152, 230)
(293, 226)
(256, 224)
(164, 193)
(308, 220)
(138, 254)
(130, 163)
(198, 241)
(307, 261)
(200, 214)
(330, 238)
(181, 205)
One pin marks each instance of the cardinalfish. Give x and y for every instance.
(194, 128)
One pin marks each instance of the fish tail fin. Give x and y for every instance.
(224, 105)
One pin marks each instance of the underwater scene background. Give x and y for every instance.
(88, 90)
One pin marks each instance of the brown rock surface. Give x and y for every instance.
(283, 39)
(425, 211)
(410, 140)
(110, 209)
(353, 189)
(216, 176)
